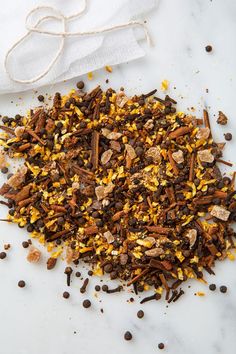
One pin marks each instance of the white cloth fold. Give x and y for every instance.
(80, 54)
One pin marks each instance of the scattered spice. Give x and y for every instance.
(84, 286)
(25, 244)
(80, 85)
(21, 283)
(149, 298)
(51, 262)
(208, 48)
(115, 290)
(105, 288)
(3, 255)
(41, 98)
(128, 335)
(223, 289)
(140, 314)
(66, 295)
(128, 184)
(228, 136)
(68, 271)
(86, 303)
(161, 346)
(222, 119)
(212, 287)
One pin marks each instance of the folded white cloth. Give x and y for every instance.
(80, 54)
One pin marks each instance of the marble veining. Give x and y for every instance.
(37, 319)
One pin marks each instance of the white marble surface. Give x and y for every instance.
(37, 319)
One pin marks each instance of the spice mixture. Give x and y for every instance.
(129, 185)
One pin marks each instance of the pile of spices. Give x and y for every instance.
(129, 185)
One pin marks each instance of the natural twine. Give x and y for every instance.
(64, 34)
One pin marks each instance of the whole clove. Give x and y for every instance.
(68, 271)
(84, 286)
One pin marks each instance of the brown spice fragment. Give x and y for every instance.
(173, 164)
(18, 178)
(24, 147)
(164, 282)
(95, 147)
(137, 277)
(191, 168)
(212, 248)
(4, 189)
(171, 194)
(58, 208)
(7, 129)
(40, 122)
(159, 230)
(34, 117)
(163, 265)
(21, 195)
(225, 162)
(222, 119)
(35, 136)
(91, 230)
(51, 262)
(206, 119)
(27, 201)
(57, 235)
(117, 216)
(179, 132)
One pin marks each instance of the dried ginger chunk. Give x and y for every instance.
(71, 255)
(18, 178)
(149, 125)
(106, 156)
(154, 252)
(130, 151)
(220, 213)
(103, 191)
(111, 135)
(123, 259)
(205, 156)
(19, 131)
(109, 237)
(192, 236)
(178, 156)
(115, 145)
(203, 133)
(222, 119)
(34, 255)
(154, 153)
(121, 99)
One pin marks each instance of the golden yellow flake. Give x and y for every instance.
(164, 85)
